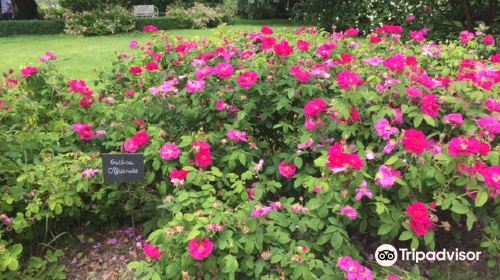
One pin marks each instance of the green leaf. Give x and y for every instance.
(406, 235)
(13, 264)
(229, 264)
(216, 172)
(417, 120)
(403, 191)
(442, 157)
(430, 121)
(188, 217)
(384, 229)
(481, 198)
(192, 234)
(414, 243)
(471, 219)
(276, 258)
(16, 250)
(392, 160)
(380, 207)
(459, 208)
(314, 203)
(259, 266)
(243, 158)
(298, 162)
(321, 161)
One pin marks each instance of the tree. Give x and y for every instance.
(26, 9)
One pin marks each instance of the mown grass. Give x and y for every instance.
(80, 57)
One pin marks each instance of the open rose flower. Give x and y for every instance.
(29, 71)
(203, 158)
(178, 177)
(349, 212)
(200, 250)
(384, 129)
(347, 80)
(315, 107)
(420, 222)
(287, 170)
(386, 176)
(84, 131)
(150, 29)
(152, 251)
(237, 136)
(170, 152)
(353, 269)
(415, 142)
(247, 79)
(195, 86)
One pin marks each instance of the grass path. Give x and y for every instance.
(80, 57)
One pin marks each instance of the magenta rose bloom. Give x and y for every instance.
(315, 107)
(170, 152)
(414, 141)
(178, 177)
(200, 250)
(287, 170)
(152, 251)
(420, 222)
(203, 158)
(247, 79)
(84, 131)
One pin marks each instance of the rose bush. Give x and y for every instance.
(268, 155)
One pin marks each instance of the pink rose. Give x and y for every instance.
(287, 170)
(170, 152)
(84, 131)
(247, 79)
(315, 107)
(177, 177)
(200, 250)
(152, 251)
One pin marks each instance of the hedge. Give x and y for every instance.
(163, 23)
(39, 27)
(30, 27)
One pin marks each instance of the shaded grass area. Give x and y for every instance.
(79, 57)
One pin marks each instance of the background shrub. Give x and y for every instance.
(110, 20)
(442, 17)
(30, 27)
(163, 23)
(201, 15)
(264, 9)
(87, 5)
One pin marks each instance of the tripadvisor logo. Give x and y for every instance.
(388, 255)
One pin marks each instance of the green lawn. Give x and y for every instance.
(80, 57)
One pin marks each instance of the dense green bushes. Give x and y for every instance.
(443, 17)
(56, 26)
(201, 15)
(30, 27)
(264, 9)
(112, 20)
(163, 23)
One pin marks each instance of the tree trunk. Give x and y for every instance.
(26, 9)
(492, 12)
(467, 14)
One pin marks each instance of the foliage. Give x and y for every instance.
(51, 13)
(109, 20)
(163, 23)
(264, 9)
(88, 5)
(201, 15)
(279, 133)
(443, 17)
(30, 27)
